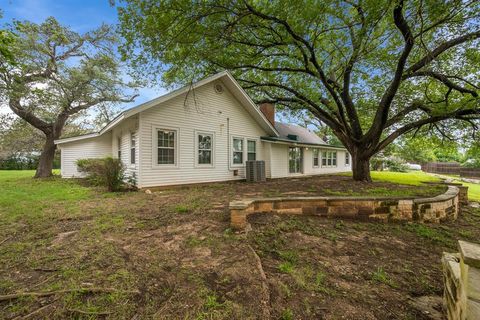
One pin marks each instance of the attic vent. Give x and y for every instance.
(218, 88)
(292, 137)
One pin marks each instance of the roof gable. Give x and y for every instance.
(237, 91)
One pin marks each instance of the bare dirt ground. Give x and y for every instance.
(172, 255)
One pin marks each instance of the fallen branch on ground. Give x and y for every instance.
(5, 240)
(265, 301)
(51, 293)
(36, 312)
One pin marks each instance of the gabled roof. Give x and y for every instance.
(227, 80)
(293, 134)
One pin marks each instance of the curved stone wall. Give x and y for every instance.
(435, 209)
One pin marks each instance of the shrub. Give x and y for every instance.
(107, 172)
(19, 162)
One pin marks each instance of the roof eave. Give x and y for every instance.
(77, 138)
(269, 128)
(299, 143)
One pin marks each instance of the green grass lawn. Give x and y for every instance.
(22, 195)
(416, 178)
(473, 190)
(172, 255)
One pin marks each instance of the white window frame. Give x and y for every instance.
(176, 156)
(133, 137)
(212, 150)
(347, 156)
(232, 151)
(119, 148)
(329, 159)
(256, 148)
(319, 157)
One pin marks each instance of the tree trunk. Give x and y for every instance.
(361, 168)
(45, 164)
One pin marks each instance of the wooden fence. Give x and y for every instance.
(470, 172)
(451, 168)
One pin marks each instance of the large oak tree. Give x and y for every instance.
(372, 70)
(56, 75)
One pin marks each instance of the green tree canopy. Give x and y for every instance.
(57, 75)
(372, 70)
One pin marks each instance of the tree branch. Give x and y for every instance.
(430, 56)
(459, 114)
(381, 115)
(442, 78)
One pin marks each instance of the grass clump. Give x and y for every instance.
(286, 267)
(181, 209)
(380, 275)
(287, 314)
(434, 235)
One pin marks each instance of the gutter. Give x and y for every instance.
(298, 143)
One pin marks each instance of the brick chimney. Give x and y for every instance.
(268, 109)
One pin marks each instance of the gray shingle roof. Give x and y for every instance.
(303, 134)
(288, 133)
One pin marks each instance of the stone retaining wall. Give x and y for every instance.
(461, 274)
(435, 209)
(462, 190)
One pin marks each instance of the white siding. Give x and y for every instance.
(123, 132)
(279, 162)
(202, 110)
(309, 169)
(267, 156)
(97, 147)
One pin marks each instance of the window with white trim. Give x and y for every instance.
(329, 158)
(347, 158)
(119, 148)
(205, 149)
(133, 140)
(237, 147)
(251, 150)
(315, 157)
(166, 144)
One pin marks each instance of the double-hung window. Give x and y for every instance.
(205, 148)
(347, 158)
(315, 157)
(324, 158)
(166, 144)
(119, 148)
(329, 158)
(133, 140)
(237, 151)
(251, 150)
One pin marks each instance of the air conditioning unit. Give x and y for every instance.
(255, 171)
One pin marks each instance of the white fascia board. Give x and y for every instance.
(254, 110)
(306, 145)
(72, 139)
(251, 107)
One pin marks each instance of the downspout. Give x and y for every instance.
(228, 144)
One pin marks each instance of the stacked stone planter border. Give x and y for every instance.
(435, 209)
(461, 274)
(462, 190)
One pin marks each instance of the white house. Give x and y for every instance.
(203, 133)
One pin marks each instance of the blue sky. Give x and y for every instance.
(80, 15)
